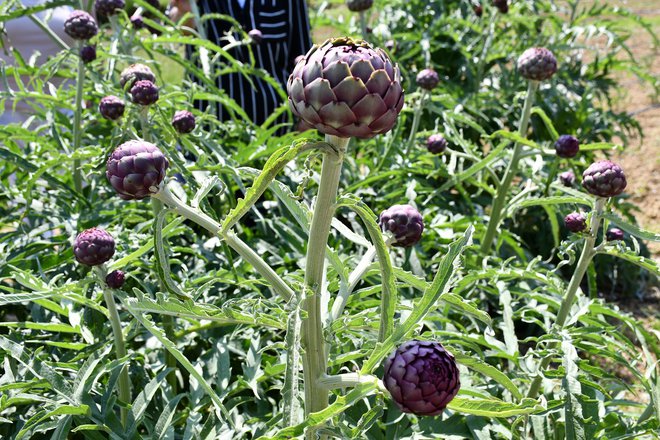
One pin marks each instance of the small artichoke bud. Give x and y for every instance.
(115, 279)
(390, 45)
(346, 88)
(575, 222)
(88, 54)
(422, 377)
(567, 178)
(501, 5)
(428, 79)
(436, 144)
(137, 21)
(135, 72)
(107, 8)
(256, 36)
(604, 179)
(80, 25)
(478, 10)
(93, 247)
(144, 92)
(359, 5)
(537, 64)
(614, 234)
(183, 121)
(111, 107)
(567, 146)
(404, 222)
(136, 169)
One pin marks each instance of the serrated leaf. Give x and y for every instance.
(632, 229)
(494, 408)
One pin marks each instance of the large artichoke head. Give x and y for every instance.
(346, 88)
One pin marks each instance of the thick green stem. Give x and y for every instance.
(245, 251)
(509, 174)
(77, 121)
(587, 254)
(347, 380)
(120, 347)
(363, 25)
(315, 358)
(415, 124)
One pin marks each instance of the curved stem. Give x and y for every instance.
(509, 174)
(77, 118)
(120, 348)
(354, 278)
(245, 251)
(363, 25)
(314, 358)
(567, 301)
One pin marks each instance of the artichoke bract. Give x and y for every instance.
(88, 54)
(107, 8)
(115, 279)
(537, 64)
(359, 5)
(80, 25)
(111, 107)
(604, 179)
(567, 178)
(136, 169)
(404, 222)
(436, 144)
(422, 377)
(428, 79)
(567, 146)
(144, 92)
(575, 222)
(183, 121)
(614, 234)
(346, 88)
(133, 73)
(93, 247)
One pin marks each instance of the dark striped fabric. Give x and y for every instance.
(285, 28)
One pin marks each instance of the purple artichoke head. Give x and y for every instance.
(107, 8)
(93, 247)
(256, 36)
(346, 88)
(111, 107)
(80, 25)
(115, 279)
(567, 178)
(404, 222)
(137, 21)
(502, 5)
(135, 72)
(614, 234)
(537, 64)
(136, 169)
(183, 121)
(88, 54)
(422, 377)
(575, 222)
(436, 144)
(428, 79)
(604, 179)
(359, 5)
(567, 146)
(144, 92)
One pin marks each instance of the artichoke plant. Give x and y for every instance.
(135, 72)
(404, 222)
(428, 79)
(346, 88)
(183, 121)
(136, 169)
(422, 377)
(604, 179)
(144, 92)
(80, 25)
(567, 146)
(436, 144)
(115, 279)
(575, 222)
(93, 247)
(111, 107)
(614, 234)
(537, 64)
